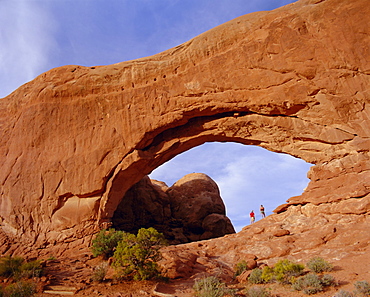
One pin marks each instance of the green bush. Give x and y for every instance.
(137, 256)
(105, 242)
(267, 274)
(255, 276)
(284, 271)
(362, 288)
(10, 266)
(17, 268)
(100, 271)
(20, 289)
(257, 292)
(240, 268)
(318, 265)
(30, 269)
(211, 287)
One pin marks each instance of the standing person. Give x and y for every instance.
(262, 210)
(251, 215)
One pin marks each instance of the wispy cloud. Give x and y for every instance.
(36, 36)
(26, 42)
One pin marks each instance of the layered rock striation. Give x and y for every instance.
(294, 80)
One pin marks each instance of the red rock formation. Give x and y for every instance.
(190, 210)
(332, 231)
(196, 202)
(293, 80)
(143, 206)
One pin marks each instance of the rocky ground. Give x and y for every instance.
(298, 234)
(76, 273)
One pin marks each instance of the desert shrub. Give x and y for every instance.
(255, 276)
(328, 280)
(10, 266)
(343, 293)
(257, 292)
(318, 265)
(362, 288)
(137, 256)
(17, 267)
(309, 284)
(105, 242)
(267, 274)
(30, 269)
(241, 267)
(283, 271)
(211, 287)
(20, 289)
(312, 283)
(100, 271)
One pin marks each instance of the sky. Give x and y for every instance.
(247, 176)
(38, 35)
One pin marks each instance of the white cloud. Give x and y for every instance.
(26, 42)
(247, 176)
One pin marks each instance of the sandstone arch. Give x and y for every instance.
(293, 80)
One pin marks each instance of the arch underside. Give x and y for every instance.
(277, 133)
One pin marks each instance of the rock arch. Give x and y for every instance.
(293, 80)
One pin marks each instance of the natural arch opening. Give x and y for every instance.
(276, 130)
(247, 176)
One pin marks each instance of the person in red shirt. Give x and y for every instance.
(262, 210)
(252, 217)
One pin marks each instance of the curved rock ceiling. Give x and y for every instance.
(293, 80)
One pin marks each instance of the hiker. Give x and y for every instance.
(262, 210)
(251, 215)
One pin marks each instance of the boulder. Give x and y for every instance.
(144, 205)
(196, 202)
(190, 210)
(243, 277)
(281, 232)
(216, 225)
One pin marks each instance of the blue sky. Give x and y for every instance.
(38, 35)
(247, 176)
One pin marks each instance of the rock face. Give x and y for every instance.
(336, 232)
(192, 209)
(294, 80)
(144, 205)
(196, 201)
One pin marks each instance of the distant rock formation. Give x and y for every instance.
(190, 210)
(294, 80)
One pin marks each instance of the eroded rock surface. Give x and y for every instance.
(190, 210)
(294, 80)
(331, 231)
(196, 201)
